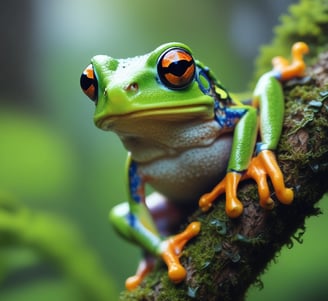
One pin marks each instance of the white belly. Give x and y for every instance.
(185, 177)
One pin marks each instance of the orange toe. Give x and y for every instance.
(234, 208)
(267, 204)
(172, 248)
(285, 196)
(145, 266)
(177, 273)
(133, 282)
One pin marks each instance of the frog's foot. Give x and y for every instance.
(296, 68)
(171, 250)
(206, 201)
(228, 185)
(261, 166)
(256, 172)
(145, 266)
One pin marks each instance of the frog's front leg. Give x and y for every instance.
(268, 97)
(133, 221)
(243, 144)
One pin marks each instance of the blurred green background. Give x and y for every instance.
(54, 160)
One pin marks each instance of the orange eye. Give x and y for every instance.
(176, 68)
(89, 83)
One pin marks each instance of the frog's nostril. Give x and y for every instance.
(133, 87)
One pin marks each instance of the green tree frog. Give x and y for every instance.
(189, 139)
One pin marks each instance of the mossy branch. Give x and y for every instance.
(230, 255)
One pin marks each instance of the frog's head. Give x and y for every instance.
(166, 84)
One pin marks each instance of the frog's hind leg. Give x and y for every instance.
(131, 228)
(268, 95)
(139, 228)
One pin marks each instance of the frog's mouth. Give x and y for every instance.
(170, 114)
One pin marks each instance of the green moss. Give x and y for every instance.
(306, 21)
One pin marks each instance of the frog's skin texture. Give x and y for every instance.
(188, 139)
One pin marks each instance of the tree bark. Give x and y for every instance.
(230, 255)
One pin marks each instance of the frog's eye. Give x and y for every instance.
(176, 68)
(89, 83)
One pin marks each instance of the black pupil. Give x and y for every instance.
(87, 82)
(178, 68)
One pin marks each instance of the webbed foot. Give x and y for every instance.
(296, 67)
(261, 166)
(171, 250)
(229, 185)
